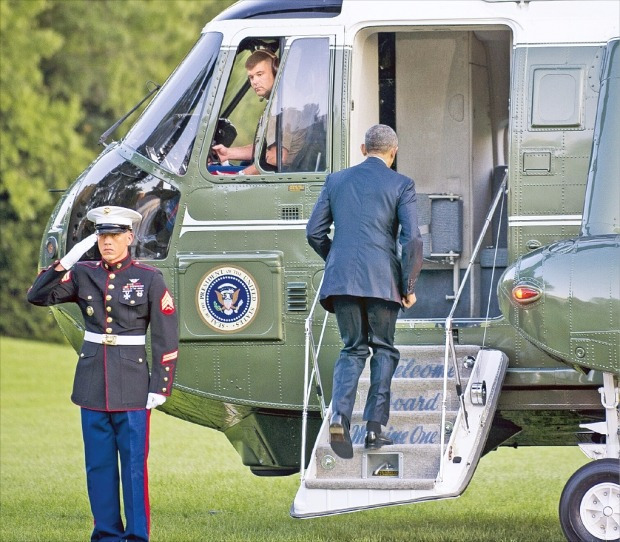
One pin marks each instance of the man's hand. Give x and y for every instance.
(409, 300)
(154, 400)
(81, 248)
(222, 153)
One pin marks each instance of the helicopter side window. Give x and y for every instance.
(166, 131)
(291, 134)
(295, 138)
(241, 118)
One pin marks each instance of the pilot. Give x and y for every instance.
(119, 298)
(262, 67)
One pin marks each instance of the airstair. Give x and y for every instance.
(443, 401)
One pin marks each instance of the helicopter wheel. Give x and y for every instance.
(590, 503)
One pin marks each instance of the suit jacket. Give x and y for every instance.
(367, 203)
(123, 300)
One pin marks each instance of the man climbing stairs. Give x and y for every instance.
(411, 469)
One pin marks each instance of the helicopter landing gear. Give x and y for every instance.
(590, 503)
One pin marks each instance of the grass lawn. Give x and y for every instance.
(200, 491)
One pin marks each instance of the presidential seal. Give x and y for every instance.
(227, 299)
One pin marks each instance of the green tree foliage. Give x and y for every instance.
(69, 69)
(114, 47)
(40, 150)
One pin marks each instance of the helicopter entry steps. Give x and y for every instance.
(410, 470)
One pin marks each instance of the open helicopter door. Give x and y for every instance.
(420, 466)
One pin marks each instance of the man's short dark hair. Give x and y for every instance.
(380, 138)
(261, 55)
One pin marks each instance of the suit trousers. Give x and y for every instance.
(365, 323)
(108, 436)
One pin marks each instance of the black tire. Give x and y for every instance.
(588, 490)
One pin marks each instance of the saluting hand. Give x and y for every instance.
(79, 249)
(409, 300)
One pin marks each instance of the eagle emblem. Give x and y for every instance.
(227, 299)
(227, 296)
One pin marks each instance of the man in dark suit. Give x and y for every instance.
(119, 298)
(366, 281)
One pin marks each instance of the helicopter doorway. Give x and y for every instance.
(446, 92)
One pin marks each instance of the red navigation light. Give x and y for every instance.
(525, 294)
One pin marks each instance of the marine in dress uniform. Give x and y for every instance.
(119, 299)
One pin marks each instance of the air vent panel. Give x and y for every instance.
(296, 296)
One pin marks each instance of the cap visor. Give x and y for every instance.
(111, 228)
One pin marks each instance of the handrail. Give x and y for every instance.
(449, 343)
(311, 351)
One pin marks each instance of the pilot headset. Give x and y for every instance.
(275, 61)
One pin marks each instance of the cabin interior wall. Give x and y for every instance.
(497, 46)
(445, 119)
(364, 94)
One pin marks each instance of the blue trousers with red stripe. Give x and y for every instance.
(109, 436)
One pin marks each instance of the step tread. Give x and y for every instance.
(413, 462)
(383, 482)
(358, 449)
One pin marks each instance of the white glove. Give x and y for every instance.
(78, 250)
(154, 400)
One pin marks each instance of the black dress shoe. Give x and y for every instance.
(339, 438)
(376, 440)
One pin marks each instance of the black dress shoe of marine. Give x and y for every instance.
(375, 440)
(339, 438)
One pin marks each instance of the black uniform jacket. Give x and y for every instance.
(116, 300)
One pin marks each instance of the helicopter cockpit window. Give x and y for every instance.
(166, 131)
(115, 181)
(289, 136)
(295, 137)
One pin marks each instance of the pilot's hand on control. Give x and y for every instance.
(78, 250)
(154, 400)
(222, 152)
(409, 300)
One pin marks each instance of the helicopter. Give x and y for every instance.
(507, 118)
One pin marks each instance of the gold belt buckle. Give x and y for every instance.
(110, 340)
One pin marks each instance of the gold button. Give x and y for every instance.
(163, 389)
(132, 302)
(165, 379)
(140, 360)
(108, 319)
(167, 368)
(108, 330)
(112, 276)
(82, 355)
(89, 297)
(119, 265)
(108, 297)
(111, 286)
(109, 309)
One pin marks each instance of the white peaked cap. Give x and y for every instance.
(113, 219)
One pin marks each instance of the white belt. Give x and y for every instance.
(114, 340)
